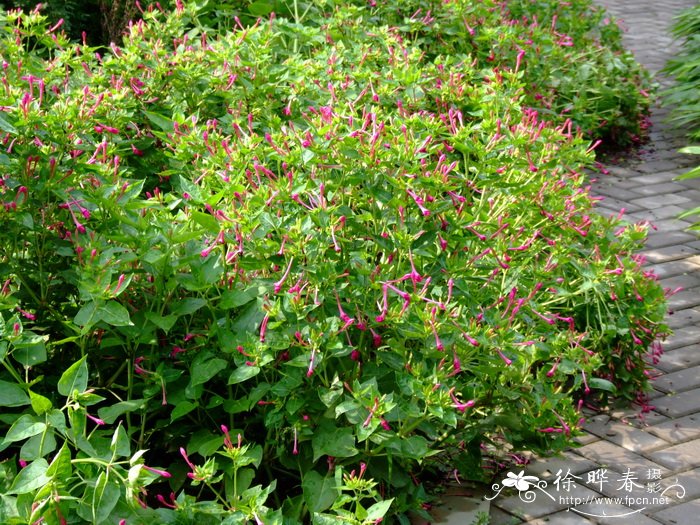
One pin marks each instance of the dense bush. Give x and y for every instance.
(294, 268)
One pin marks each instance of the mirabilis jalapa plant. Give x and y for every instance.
(278, 274)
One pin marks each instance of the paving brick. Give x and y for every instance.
(684, 318)
(456, 509)
(586, 438)
(562, 518)
(658, 189)
(661, 239)
(631, 485)
(689, 482)
(617, 458)
(672, 268)
(685, 336)
(625, 435)
(679, 429)
(683, 514)
(684, 299)
(669, 253)
(615, 193)
(680, 404)
(691, 280)
(547, 468)
(623, 172)
(619, 514)
(658, 201)
(679, 457)
(671, 224)
(657, 166)
(500, 517)
(657, 214)
(543, 504)
(678, 358)
(679, 381)
(617, 204)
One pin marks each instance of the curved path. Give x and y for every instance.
(630, 459)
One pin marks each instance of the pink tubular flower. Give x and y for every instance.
(227, 438)
(462, 407)
(96, 420)
(507, 361)
(263, 327)
(159, 472)
(551, 430)
(278, 284)
(193, 474)
(170, 504)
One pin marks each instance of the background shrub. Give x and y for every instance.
(682, 96)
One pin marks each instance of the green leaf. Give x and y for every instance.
(205, 220)
(235, 298)
(159, 120)
(26, 426)
(40, 404)
(332, 441)
(249, 319)
(30, 477)
(602, 384)
(378, 510)
(30, 350)
(319, 491)
(104, 498)
(86, 316)
(164, 322)
(328, 519)
(191, 189)
(110, 414)
(121, 445)
(6, 126)
(114, 314)
(203, 371)
(38, 446)
(260, 8)
(187, 306)
(61, 467)
(307, 156)
(243, 373)
(12, 395)
(181, 409)
(74, 378)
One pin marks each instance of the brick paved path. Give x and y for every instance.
(667, 442)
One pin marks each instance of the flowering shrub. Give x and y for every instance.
(280, 274)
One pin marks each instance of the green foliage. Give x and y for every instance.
(300, 267)
(76, 15)
(682, 97)
(692, 174)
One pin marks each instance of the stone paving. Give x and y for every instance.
(662, 448)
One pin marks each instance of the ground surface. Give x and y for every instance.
(634, 461)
